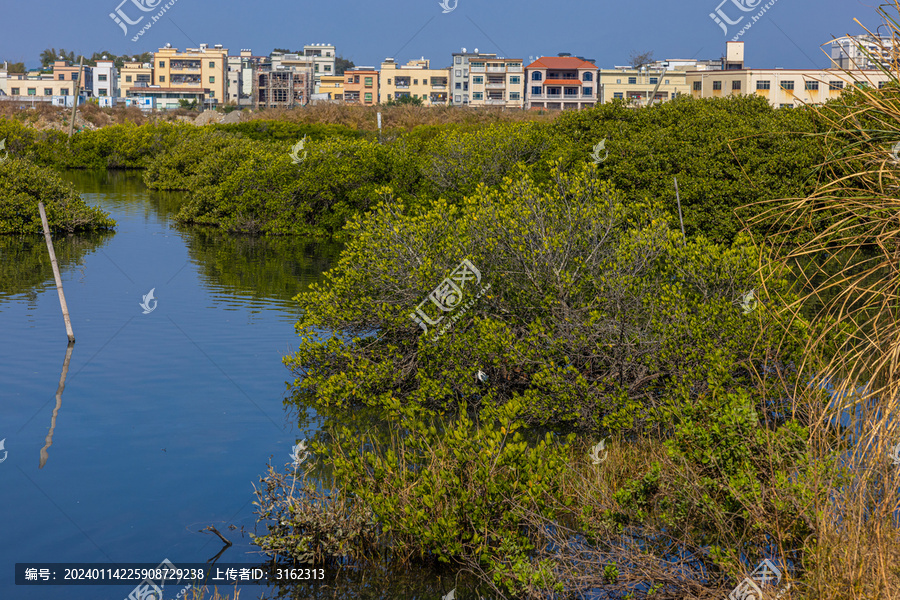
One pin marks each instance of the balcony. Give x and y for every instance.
(495, 85)
(476, 69)
(438, 87)
(496, 69)
(402, 86)
(495, 101)
(516, 69)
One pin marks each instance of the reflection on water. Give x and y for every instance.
(48, 441)
(25, 263)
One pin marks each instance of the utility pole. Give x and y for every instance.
(77, 95)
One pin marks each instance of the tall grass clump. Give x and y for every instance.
(849, 271)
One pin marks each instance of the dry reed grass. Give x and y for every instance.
(853, 272)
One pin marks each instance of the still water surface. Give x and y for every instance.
(167, 418)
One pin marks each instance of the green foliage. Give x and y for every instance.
(594, 305)
(727, 153)
(453, 489)
(23, 185)
(286, 131)
(404, 100)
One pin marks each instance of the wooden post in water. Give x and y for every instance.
(59, 288)
(74, 108)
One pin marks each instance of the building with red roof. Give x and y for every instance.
(560, 83)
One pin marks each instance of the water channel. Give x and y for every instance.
(168, 415)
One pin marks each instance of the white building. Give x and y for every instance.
(323, 60)
(105, 82)
(858, 52)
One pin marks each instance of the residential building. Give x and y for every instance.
(241, 77)
(782, 87)
(303, 79)
(332, 87)
(861, 52)
(637, 86)
(164, 98)
(323, 61)
(361, 86)
(561, 83)
(197, 71)
(416, 79)
(481, 79)
(134, 74)
(65, 75)
(280, 86)
(106, 79)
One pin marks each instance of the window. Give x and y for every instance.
(477, 80)
(162, 64)
(32, 91)
(356, 79)
(515, 79)
(787, 85)
(349, 80)
(456, 98)
(618, 81)
(61, 77)
(101, 77)
(785, 106)
(368, 81)
(880, 84)
(717, 85)
(736, 85)
(415, 82)
(458, 61)
(328, 68)
(698, 85)
(48, 91)
(587, 91)
(102, 92)
(458, 85)
(588, 77)
(15, 91)
(571, 91)
(128, 79)
(536, 90)
(212, 94)
(212, 79)
(212, 65)
(667, 82)
(477, 95)
(762, 84)
(618, 95)
(459, 72)
(811, 85)
(74, 76)
(162, 78)
(64, 92)
(514, 95)
(835, 85)
(317, 67)
(465, 86)
(389, 82)
(632, 80)
(536, 76)
(368, 96)
(654, 80)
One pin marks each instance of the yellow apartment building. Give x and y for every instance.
(134, 74)
(333, 85)
(200, 70)
(496, 82)
(637, 86)
(782, 87)
(416, 79)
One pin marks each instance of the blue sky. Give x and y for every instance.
(788, 35)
